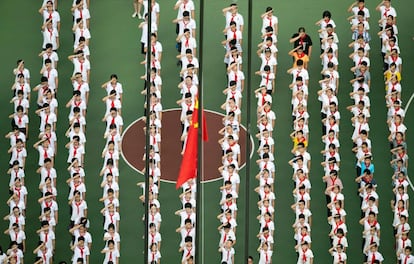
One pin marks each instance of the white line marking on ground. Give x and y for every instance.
(409, 102)
(406, 111)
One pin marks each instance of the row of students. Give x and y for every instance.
(188, 62)
(81, 238)
(301, 161)
(110, 169)
(360, 109)
(47, 109)
(154, 130)
(231, 152)
(361, 84)
(397, 137)
(365, 169)
(20, 126)
(266, 119)
(81, 241)
(329, 83)
(330, 116)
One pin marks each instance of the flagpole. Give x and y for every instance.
(248, 134)
(147, 134)
(199, 205)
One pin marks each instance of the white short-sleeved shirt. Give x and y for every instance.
(326, 60)
(238, 77)
(375, 256)
(14, 137)
(54, 57)
(189, 6)
(25, 72)
(19, 204)
(356, 9)
(45, 256)
(50, 36)
(82, 67)
(18, 254)
(83, 14)
(227, 255)
(17, 236)
(338, 257)
(50, 237)
(234, 178)
(189, 43)
(306, 212)
(155, 48)
(238, 18)
(46, 119)
(302, 73)
(45, 153)
(406, 259)
(156, 238)
(86, 235)
(24, 87)
(358, 60)
(78, 210)
(191, 25)
(77, 152)
(305, 256)
(340, 241)
(81, 134)
(269, 22)
(153, 256)
(52, 205)
(20, 220)
(82, 87)
(81, 187)
(84, 32)
(111, 255)
(117, 87)
(22, 121)
(116, 238)
(155, 218)
(118, 121)
(324, 23)
(78, 253)
(55, 16)
(185, 61)
(332, 46)
(385, 12)
(51, 190)
(16, 174)
(397, 128)
(18, 154)
(272, 61)
(326, 101)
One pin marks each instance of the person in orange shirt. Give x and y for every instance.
(297, 53)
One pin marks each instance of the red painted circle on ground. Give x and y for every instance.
(133, 145)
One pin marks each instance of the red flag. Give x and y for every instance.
(189, 162)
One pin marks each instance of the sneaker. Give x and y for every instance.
(134, 14)
(139, 16)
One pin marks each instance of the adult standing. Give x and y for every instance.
(302, 39)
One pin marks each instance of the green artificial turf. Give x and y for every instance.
(115, 48)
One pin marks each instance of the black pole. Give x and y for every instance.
(199, 205)
(248, 126)
(147, 134)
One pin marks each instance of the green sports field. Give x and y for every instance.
(115, 48)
